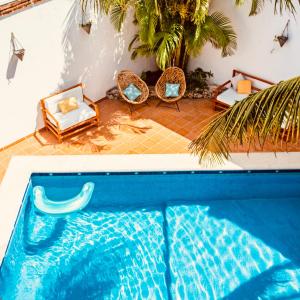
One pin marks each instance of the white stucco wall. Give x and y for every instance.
(58, 54)
(255, 42)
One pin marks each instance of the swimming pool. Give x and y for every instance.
(160, 235)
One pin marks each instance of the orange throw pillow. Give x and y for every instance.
(244, 87)
(68, 105)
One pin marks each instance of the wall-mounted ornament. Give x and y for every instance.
(283, 38)
(85, 24)
(17, 48)
(86, 27)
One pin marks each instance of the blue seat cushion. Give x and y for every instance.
(132, 92)
(172, 90)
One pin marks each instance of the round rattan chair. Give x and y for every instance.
(125, 78)
(170, 75)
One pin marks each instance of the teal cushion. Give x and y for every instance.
(132, 92)
(172, 89)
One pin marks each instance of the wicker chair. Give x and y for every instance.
(125, 78)
(170, 75)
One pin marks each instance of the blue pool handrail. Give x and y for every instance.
(77, 203)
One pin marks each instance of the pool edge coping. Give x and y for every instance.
(13, 188)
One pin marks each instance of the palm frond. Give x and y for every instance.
(200, 11)
(147, 18)
(134, 40)
(256, 7)
(217, 30)
(99, 6)
(167, 43)
(269, 114)
(222, 34)
(118, 12)
(116, 8)
(279, 6)
(142, 50)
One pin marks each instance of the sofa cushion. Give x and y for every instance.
(230, 96)
(51, 103)
(244, 87)
(67, 105)
(236, 79)
(83, 113)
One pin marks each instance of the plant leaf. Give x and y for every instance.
(273, 113)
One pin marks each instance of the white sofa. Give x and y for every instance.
(226, 95)
(64, 125)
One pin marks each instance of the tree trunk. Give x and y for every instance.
(178, 54)
(184, 57)
(185, 63)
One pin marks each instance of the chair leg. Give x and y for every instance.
(133, 108)
(59, 139)
(130, 108)
(169, 105)
(214, 105)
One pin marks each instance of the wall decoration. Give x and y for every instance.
(283, 38)
(17, 48)
(86, 25)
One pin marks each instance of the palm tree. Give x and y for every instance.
(273, 113)
(256, 6)
(171, 30)
(175, 30)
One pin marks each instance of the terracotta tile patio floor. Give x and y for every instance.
(148, 130)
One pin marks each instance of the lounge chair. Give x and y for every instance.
(125, 79)
(172, 76)
(63, 124)
(226, 94)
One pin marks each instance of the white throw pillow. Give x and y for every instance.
(236, 79)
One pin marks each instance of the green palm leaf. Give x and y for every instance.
(142, 50)
(97, 5)
(118, 12)
(279, 5)
(167, 43)
(270, 113)
(133, 41)
(256, 7)
(200, 11)
(221, 33)
(147, 18)
(217, 30)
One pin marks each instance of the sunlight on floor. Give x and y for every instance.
(149, 130)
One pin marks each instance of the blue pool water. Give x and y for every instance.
(160, 236)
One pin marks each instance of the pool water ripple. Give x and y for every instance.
(209, 250)
(226, 257)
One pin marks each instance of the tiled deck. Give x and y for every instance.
(151, 129)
